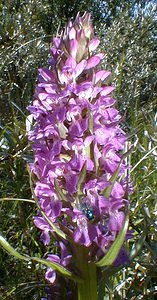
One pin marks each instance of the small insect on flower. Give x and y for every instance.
(87, 211)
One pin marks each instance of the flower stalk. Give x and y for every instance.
(87, 290)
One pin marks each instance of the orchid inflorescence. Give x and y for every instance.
(78, 145)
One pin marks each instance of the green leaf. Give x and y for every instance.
(82, 177)
(17, 199)
(57, 267)
(56, 229)
(128, 152)
(8, 134)
(138, 246)
(53, 266)
(112, 253)
(59, 191)
(62, 130)
(143, 158)
(11, 250)
(107, 191)
(90, 121)
(18, 108)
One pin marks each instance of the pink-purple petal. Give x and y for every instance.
(92, 62)
(93, 44)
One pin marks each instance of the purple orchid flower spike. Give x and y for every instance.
(78, 163)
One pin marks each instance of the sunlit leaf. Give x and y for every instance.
(112, 253)
(57, 267)
(90, 121)
(59, 191)
(62, 130)
(138, 245)
(11, 250)
(81, 179)
(17, 199)
(56, 229)
(107, 191)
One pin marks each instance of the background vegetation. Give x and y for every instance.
(128, 37)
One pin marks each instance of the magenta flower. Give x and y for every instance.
(77, 143)
(64, 260)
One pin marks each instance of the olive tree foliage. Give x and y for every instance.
(25, 36)
(127, 28)
(130, 45)
(21, 52)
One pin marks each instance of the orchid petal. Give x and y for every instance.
(93, 44)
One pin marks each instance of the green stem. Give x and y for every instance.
(88, 289)
(110, 296)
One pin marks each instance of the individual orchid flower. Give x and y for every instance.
(64, 260)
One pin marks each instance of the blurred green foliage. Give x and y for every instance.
(130, 46)
(128, 37)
